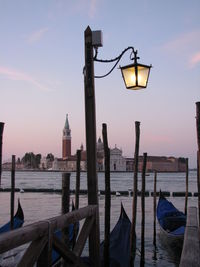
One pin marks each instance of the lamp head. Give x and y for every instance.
(135, 75)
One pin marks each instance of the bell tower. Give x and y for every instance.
(66, 140)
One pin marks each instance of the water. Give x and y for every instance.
(39, 206)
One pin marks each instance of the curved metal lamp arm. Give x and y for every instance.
(117, 59)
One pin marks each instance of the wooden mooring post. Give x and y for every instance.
(107, 197)
(186, 186)
(65, 207)
(198, 152)
(78, 171)
(90, 126)
(77, 192)
(154, 215)
(154, 209)
(1, 142)
(135, 189)
(12, 195)
(142, 259)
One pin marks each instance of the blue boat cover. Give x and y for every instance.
(7, 227)
(170, 218)
(119, 242)
(18, 220)
(179, 231)
(55, 255)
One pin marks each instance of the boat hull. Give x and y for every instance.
(172, 226)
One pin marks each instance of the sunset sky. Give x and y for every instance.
(41, 74)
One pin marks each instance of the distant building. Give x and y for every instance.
(117, 161)
(163, 164)
(7, 166)
(68, 161)
(66, 140)
(46, 163)
(100, 155)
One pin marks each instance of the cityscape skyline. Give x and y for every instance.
(41, 65)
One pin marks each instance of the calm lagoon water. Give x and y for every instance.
(39, 206)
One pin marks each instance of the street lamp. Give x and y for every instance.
(135, 77)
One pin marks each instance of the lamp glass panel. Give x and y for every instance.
(129, 76)
(143, 73)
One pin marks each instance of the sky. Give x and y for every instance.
(41, 74)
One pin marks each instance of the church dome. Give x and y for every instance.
(100, 145)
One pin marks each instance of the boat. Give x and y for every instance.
(119, 242)
(18, 220)
(172, 224)
(10, 257)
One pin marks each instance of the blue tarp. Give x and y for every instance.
(7, 227)
(120, 242)
(170, 218)
(18, 220)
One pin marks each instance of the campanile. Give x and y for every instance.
(66, 140)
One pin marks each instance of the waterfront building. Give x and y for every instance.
(67, 165)
(163, 164)
(118, 162)
(46, 163)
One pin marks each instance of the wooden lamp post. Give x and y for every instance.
(135, 77)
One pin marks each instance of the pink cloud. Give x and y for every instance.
(184, 41)
(184, 46)
(20, 76)
(195, 59)
(93, 6)
(37, 35)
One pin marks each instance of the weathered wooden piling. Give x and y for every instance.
(142, 259)
(198, 152)
(107, 197)
(154, 209)
(65, 206)
(90, 126)
(1, 142)
(12, 195)
(77, 192)
(78, 169)
(135, 188)
(186, 186)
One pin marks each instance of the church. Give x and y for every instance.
(117, 161)
(68, 161)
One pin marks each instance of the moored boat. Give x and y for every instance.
(18, 220)
(172, 223)
(9, 258)
(119, 242)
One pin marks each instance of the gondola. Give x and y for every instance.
(119, 242)
(9, 257)
(18, 220)
(172, 223)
